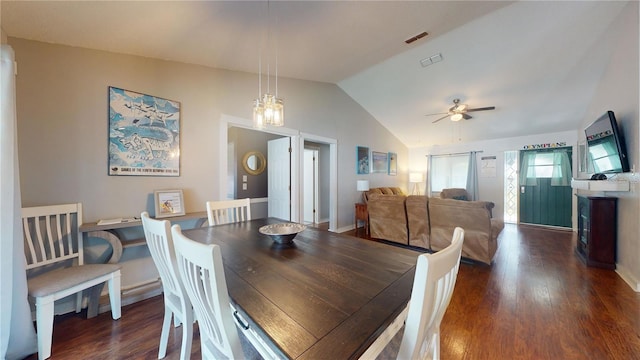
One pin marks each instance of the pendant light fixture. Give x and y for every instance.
(268, 109)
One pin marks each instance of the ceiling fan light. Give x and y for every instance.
(456, 117)
(462, 107)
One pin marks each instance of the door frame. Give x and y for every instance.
(313, 177)
(297, 147)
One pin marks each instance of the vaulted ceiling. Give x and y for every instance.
(537, 62)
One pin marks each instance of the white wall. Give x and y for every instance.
(619, 91)
(62, 109)
(62, 124)
(490, 188)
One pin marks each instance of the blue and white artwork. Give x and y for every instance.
(144, 134)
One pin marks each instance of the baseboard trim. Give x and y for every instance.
(628, 277)
(132, 295)
(344, 228)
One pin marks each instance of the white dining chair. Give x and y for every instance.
(433, 286)
(55, 266)
(176, 302)
(202, 273)
(228, 211)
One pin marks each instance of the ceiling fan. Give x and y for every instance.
(459, 111)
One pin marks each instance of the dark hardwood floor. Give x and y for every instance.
(537, 301)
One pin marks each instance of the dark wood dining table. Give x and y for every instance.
(326, 296)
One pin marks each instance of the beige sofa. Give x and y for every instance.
(429, 222)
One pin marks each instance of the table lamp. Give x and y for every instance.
(362, 185)
(415, 178)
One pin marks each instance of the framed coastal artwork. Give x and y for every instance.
(362, 160)
(393, 164)
(168, 203)
(144, 134)
(379, 161)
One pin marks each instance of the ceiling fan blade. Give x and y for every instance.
(444, 117)
(482, 108)
(467, 117)
(440, 113)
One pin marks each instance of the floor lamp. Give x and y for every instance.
(415, 178)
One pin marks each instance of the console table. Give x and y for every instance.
(111, 232)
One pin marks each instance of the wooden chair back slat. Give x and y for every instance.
(202, 273)
(52, 234)
(228, 211)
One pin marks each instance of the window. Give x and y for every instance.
(448, 171)
(540, 165)
(554, 165)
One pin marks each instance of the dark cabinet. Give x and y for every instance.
(597, 231)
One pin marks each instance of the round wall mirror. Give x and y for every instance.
(254, 162)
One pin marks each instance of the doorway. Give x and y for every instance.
(329, 197)
(545, 187)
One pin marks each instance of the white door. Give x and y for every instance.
(310, 186)
(279, 178)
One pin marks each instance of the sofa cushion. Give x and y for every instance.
(381, 191)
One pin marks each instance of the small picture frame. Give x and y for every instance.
(169, 203)
(393, 164)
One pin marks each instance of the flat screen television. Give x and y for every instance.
(607, 152)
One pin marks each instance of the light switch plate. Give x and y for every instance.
(244, 186)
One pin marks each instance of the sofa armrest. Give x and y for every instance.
(480, 238)
(418, 220)
(387, 218)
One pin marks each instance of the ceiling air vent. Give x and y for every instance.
(417, 37)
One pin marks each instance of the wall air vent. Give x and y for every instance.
(417, 37)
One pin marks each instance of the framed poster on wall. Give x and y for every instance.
(362, 160)
(379, 162)
(393, 164)
(144, 134)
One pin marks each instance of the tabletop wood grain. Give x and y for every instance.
(326, 296)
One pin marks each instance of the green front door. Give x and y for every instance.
(545, 187)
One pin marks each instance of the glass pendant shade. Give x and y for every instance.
(267, 108)
(258, 114)
(456, 117)
(268, 111)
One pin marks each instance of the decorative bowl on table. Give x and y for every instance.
(282, 233)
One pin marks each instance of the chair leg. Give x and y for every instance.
(164, 335)
(435, 344)
(114, 295)
(44, 325)
(187, 333)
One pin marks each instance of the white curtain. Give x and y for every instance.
(528, 169)
(17, 336)
(561, 169)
